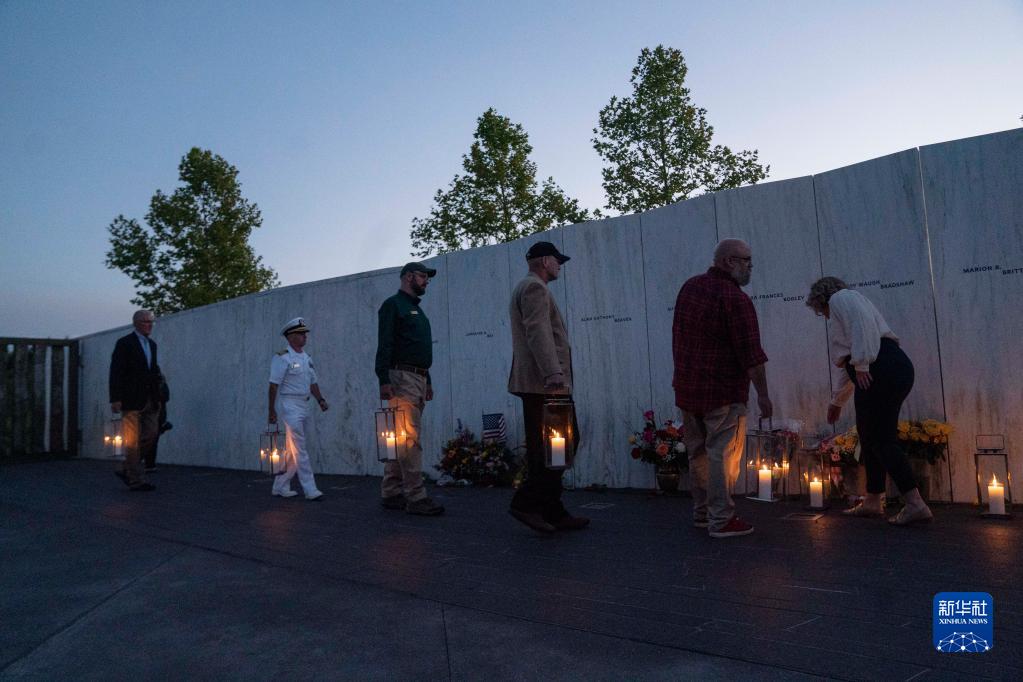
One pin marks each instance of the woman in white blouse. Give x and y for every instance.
(869, 364)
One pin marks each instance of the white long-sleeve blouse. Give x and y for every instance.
(856, 330)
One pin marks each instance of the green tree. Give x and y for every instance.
(656, 145)
(195, 249)
(497, 199)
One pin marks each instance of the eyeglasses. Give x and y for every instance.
(745, 259)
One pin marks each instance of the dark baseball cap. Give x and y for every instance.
(415, 266)
(541, 249)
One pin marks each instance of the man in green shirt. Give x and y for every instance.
(404, 356)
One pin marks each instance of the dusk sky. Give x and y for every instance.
(344, 118)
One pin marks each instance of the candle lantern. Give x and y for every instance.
(391, 434)
(272, 453)
(994, 478)
(764, 463)
(559, 432)
(814, 480)
(113, 438)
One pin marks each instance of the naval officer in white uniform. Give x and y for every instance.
(292, 379)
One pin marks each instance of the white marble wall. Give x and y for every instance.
(865, 223)
(607, 325)
(778, 221)
(974, 198)
(480, 338)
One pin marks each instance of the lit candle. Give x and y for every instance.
(274, 460)
(391, 444)
(557, 450)
(816, 493)
(995, 497)
(118, 442)
(764, 478)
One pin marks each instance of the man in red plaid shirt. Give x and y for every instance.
(716, 346)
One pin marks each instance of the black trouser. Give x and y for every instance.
(150, 455)
(540, 492)
(877, 418)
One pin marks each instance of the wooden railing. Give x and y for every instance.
(38, 397)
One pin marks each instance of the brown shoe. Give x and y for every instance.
(534, 521)
(571, 523)
(424, 507)
(396, 502)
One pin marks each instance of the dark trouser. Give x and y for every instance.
(150, 455)
(877, 418)
(540, 492)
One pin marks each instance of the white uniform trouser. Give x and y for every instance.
(294, 410)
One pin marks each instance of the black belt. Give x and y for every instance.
(412, 368)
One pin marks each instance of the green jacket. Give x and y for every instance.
(403, 336)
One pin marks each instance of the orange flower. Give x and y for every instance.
(662, 449)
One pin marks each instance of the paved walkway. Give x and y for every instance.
(209, 577)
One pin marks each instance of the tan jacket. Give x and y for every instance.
(539, 338)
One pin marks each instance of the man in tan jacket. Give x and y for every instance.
(541, 366)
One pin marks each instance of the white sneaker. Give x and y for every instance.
(314, 496)
(284, 493)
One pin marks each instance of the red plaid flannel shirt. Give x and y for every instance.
(715, 339)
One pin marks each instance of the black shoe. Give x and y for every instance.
(571, 523)
(142, 488)
(533, 520)
(396, 502)
(123, 476)
(424, 507)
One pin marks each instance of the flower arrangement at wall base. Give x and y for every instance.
(660, 445)
(925, 440)
(841, 455)
(464, 458)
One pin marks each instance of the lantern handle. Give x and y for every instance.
(273, 428)
(760, 423)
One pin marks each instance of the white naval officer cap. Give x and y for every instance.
(294, 326)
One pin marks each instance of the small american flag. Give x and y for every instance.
(494, 428)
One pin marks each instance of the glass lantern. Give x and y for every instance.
(994, 478)
(763, 471)
(390, 433)
(113, 438)
(272, 453)
(559, 432)
(814, 481)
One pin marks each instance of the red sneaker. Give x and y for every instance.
(734, 528)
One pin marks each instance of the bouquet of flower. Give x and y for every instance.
(465, 458)
(659, 445)
(843, 448)
(924, 439)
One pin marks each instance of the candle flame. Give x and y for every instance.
(994, 481)
(556, 433)
(816, 480)
(117, 440)
(764, 467)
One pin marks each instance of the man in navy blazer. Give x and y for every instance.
(135, 393)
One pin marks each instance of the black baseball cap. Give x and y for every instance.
(541, 249)
(415, 266)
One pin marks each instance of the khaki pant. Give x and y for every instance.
(141, 429)
(405, 477)
(715, 441)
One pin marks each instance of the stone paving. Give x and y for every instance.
(210, 577)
